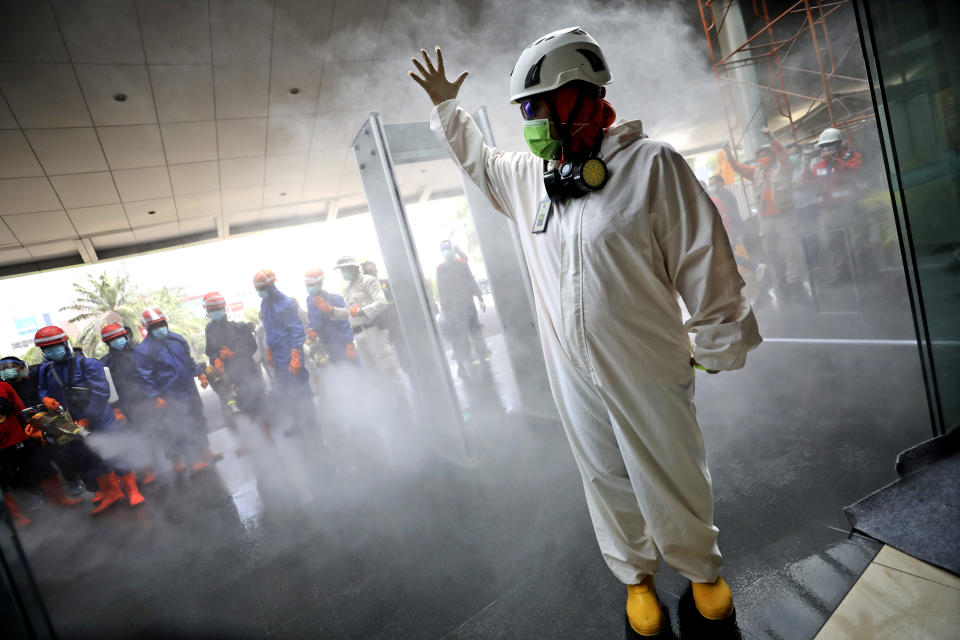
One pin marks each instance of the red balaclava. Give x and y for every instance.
(591, 121)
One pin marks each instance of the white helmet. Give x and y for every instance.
(347, 261)
(554, 60)
(829, 136)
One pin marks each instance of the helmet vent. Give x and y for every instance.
(596, 62)
(533, 75)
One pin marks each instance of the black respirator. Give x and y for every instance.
(576, 177)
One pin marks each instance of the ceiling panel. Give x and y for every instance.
(286, 168)
(102, 82)
(356, 29)
(242, 137)
(198, 205)
(241, 172)
(85, 189)
(197, 225)
(289, 134)
(49, 250)
(133, 146)
(6, 236)
(241, 90)
(16, 157)
(196, 177)
(278, 212)
(183, 92)
(157, 232)
(139, 212)
(240, 217)
(313, 208)
(91, 220)
(100, 30)
(190, 141)
(43, 95)
(336, 129)
(342, 82)
(241, 30)
(29, 32)
(113, 240)
(6, 116)
(41, 226)
(14, 255)
(301, 30)
(143, 184)
(240, 199)
(68, 150)
(282, 193)
(284, 80)
(323, 174)
(175, 31)
(20, 195)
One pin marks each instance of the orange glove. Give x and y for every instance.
(322, 304)
(204, 383)
(312, 335)
(51, 403)
(226, 354)
(218, 365)
(352, 352)
(295, 366)
(83, 422)
(160, 403)
(33, 432)
(355, 309)
(118, 415)
(269, 357)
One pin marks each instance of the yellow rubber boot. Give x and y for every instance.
(714, 600)
(643, 608)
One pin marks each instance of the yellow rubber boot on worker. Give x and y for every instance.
(714, 600)
(643, 608)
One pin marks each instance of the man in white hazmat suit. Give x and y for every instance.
(365, 301)
(626, 228)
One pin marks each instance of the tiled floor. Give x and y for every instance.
(898, 596)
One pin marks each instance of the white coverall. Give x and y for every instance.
(373, 343)
(605, 277)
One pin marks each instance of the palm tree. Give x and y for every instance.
(101, 299)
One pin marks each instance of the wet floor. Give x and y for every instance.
(353, 533)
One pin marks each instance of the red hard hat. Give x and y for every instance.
(152, 317)
(49, 336)
(313, 277)
(264, 278)
(111, 331)
(214, 300)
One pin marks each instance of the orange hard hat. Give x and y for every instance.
(313, 277)
(264, 278)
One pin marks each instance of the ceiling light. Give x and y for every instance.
(295, 90)
(120, 97)
(150, 213)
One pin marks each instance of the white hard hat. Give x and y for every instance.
(554, 60)
(347, 261)
(829, 136)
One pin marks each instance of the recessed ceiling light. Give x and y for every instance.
(150, 213)
(120, 97)
(295, 90)
(283, 193)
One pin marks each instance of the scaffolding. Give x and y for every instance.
(808, 89)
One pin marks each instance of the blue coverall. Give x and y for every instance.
(333, 334)
(284, 333)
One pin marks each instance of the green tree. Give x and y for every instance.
(100, 299)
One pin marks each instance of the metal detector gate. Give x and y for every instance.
(378, 148)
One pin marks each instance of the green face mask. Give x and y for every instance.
(537, 135)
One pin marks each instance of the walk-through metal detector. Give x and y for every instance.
(378, 147)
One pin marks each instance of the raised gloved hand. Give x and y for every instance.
(312, 335)
(295, 365)
(218, 365)
(434, 80)
(269, 357)
(83, 422)
(352, 352)
(160, 403)
(51, 403)
(118, 415)
(226, 354)
(322, 304)
(204, 383)
(355, 309)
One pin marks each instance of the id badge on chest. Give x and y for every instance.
(544, 211)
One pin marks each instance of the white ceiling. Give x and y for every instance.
(209, 137)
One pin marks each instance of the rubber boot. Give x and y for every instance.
(97, 496)
(200, 465)
(713, 599)
(149, 477)
(177, 465)
(19, 520)
(54, 490)
(643, 608)
(110, 488)
(210, 456)
(267, 430)
(129, 482)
